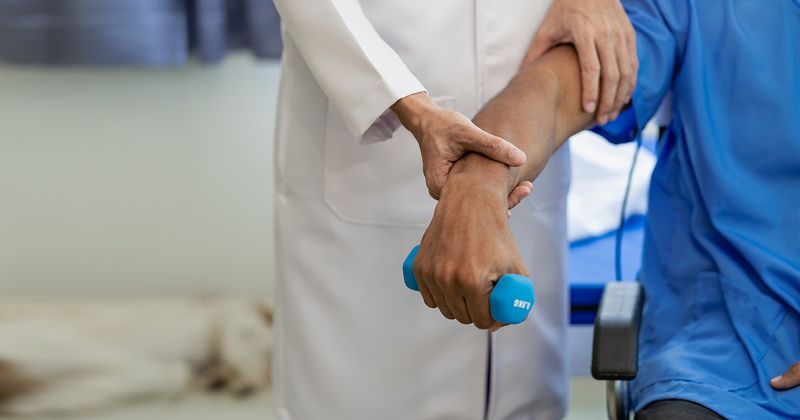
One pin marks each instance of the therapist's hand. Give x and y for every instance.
(444, 136)
(788, 380)
(606, 45)
(468, 245)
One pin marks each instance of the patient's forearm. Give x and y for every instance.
(538, 111)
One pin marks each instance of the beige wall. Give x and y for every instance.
(137, 181)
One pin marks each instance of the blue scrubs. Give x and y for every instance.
(721, 263)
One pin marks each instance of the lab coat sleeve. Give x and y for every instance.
(359, 73)
(660, 29)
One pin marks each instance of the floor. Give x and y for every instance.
(586, 403)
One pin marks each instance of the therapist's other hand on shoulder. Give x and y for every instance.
(444, 136)
(606, 44)
(788, 380)
(468, 244)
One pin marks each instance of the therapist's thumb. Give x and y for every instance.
(543, 41)
(495, 148)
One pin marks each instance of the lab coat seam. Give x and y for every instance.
(281, 130)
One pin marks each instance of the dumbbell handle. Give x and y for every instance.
(511, 299)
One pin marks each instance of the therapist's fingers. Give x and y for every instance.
(491, 146)
(590, 73)
(626, 78)
(788, 380)
(609, 79)
(632, 60)
(630, 40)
(522, 190)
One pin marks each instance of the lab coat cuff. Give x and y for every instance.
(374, 121)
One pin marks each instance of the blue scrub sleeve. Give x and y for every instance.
(658, 30)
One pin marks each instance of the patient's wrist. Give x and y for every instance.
(483, 174)
(471, 191)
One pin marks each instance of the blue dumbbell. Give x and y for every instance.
(511, 299)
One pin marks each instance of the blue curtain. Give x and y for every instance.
(152, 33)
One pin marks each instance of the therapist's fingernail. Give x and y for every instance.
(614, 116)
(589, 106)
(517, 155)
(774, 381)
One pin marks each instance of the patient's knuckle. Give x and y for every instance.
(443, 276)
(421, 268)
(467, 282)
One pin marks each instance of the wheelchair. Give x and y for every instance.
(615, 345)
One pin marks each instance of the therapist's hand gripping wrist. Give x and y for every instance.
(444, 136)
(468, 245)
(606, 44)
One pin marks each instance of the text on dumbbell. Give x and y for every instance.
(523, 304)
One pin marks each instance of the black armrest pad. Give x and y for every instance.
(615, 349)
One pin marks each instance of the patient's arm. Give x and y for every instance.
(538, 111)
(468, 243)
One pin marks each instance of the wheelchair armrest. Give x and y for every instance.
(615, 347)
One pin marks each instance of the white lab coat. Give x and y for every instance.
(352, 342)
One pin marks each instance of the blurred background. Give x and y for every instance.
(137, 181)
(143, 166)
